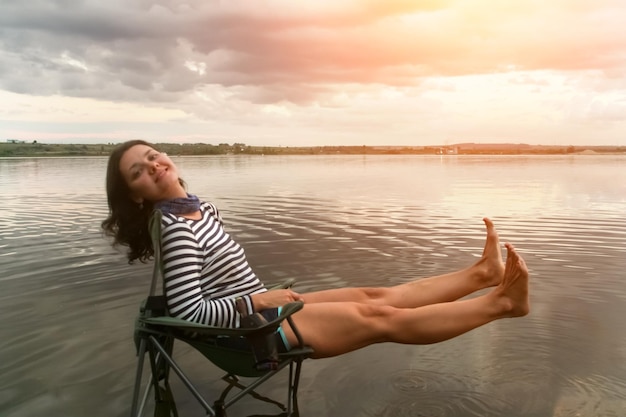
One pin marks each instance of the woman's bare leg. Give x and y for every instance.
(485, 273)
(336, 328)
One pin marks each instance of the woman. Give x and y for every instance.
(208, 280)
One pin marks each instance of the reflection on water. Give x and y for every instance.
(68, 299)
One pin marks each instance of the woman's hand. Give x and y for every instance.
(274, 298)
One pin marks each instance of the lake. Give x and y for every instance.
(69, 300)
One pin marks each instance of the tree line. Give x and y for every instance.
(37, 149)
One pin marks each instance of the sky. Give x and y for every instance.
(311, 73)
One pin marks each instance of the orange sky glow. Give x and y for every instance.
(314, 72)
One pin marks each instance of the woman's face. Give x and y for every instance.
(150, 175)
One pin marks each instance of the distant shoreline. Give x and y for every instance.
(35, 149)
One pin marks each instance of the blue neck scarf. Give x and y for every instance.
(189, 204)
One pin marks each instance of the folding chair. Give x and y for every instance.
(229, 349)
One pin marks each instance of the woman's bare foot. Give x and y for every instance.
(512, 292)
(490, 267)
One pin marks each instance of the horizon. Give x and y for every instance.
(314, 73)
(391, 146)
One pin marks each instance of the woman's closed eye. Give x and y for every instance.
(136, 173)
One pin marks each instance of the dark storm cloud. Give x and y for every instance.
(83, 49)
(138, 49)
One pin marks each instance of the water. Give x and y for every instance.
(68, 300)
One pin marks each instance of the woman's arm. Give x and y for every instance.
(274, 298)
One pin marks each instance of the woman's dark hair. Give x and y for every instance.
(128, 221)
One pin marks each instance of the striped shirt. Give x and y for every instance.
(205, 270)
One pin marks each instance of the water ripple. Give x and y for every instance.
(68, 299)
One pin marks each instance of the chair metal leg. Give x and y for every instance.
(290, 389)
(294, 388)
(161, 361)
(182, 377)
(144, 400)
(233, 382)
(137, 407)
(156, 362)
(137, 388)
(255, 384)
(294, 381)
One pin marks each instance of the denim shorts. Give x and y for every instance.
(241, 343)
(281, 340)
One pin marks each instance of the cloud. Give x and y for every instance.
(291, 51)
(428, 70)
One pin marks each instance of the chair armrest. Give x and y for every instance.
(288, 283)
(180, 324)
(286, 312)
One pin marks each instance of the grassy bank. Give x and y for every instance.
(36, 149)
